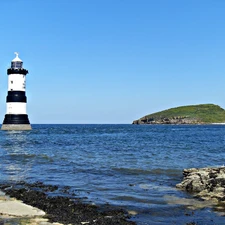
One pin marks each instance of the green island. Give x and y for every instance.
(191, 114)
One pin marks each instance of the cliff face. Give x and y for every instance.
(192, 114)
(174, 120)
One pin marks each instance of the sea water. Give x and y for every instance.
(130, 166)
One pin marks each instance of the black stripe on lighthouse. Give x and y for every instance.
(16, 96)
(16, 119)
(17, 71)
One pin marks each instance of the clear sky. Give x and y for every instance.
(113, 61)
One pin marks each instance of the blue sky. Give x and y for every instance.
(113, 61)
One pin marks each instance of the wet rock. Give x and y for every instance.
(206, 183)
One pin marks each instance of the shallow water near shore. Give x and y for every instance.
(133, 167)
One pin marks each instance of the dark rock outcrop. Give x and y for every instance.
(205, 183)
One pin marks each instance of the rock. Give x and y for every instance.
(206, 183)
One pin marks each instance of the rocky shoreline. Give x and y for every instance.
(60, 209)
(164, 120)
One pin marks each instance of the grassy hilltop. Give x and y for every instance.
(192, 114)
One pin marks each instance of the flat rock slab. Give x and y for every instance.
(15, 211)
(19, 209)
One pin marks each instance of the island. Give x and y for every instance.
(191, 114)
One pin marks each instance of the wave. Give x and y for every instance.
(25, 157)
(156, 171)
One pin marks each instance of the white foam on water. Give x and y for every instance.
(156, 187)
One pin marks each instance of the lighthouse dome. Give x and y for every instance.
(17, 63)
(17, 59)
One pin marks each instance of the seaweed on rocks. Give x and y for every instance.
(63, 209)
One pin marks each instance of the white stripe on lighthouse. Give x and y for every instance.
(16, 108)
(16, 82)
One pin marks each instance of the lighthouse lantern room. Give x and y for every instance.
(16, 117)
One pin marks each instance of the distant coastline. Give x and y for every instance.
(191, 114)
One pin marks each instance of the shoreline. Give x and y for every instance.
(54, 207)
(61, 209)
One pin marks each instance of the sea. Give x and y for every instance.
(133, 167)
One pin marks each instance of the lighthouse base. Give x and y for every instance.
(16, 122)
(16, 127)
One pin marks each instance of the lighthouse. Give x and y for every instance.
(16, 117)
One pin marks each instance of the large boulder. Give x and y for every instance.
(206, 183)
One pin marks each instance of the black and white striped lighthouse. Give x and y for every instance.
(16, 117)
